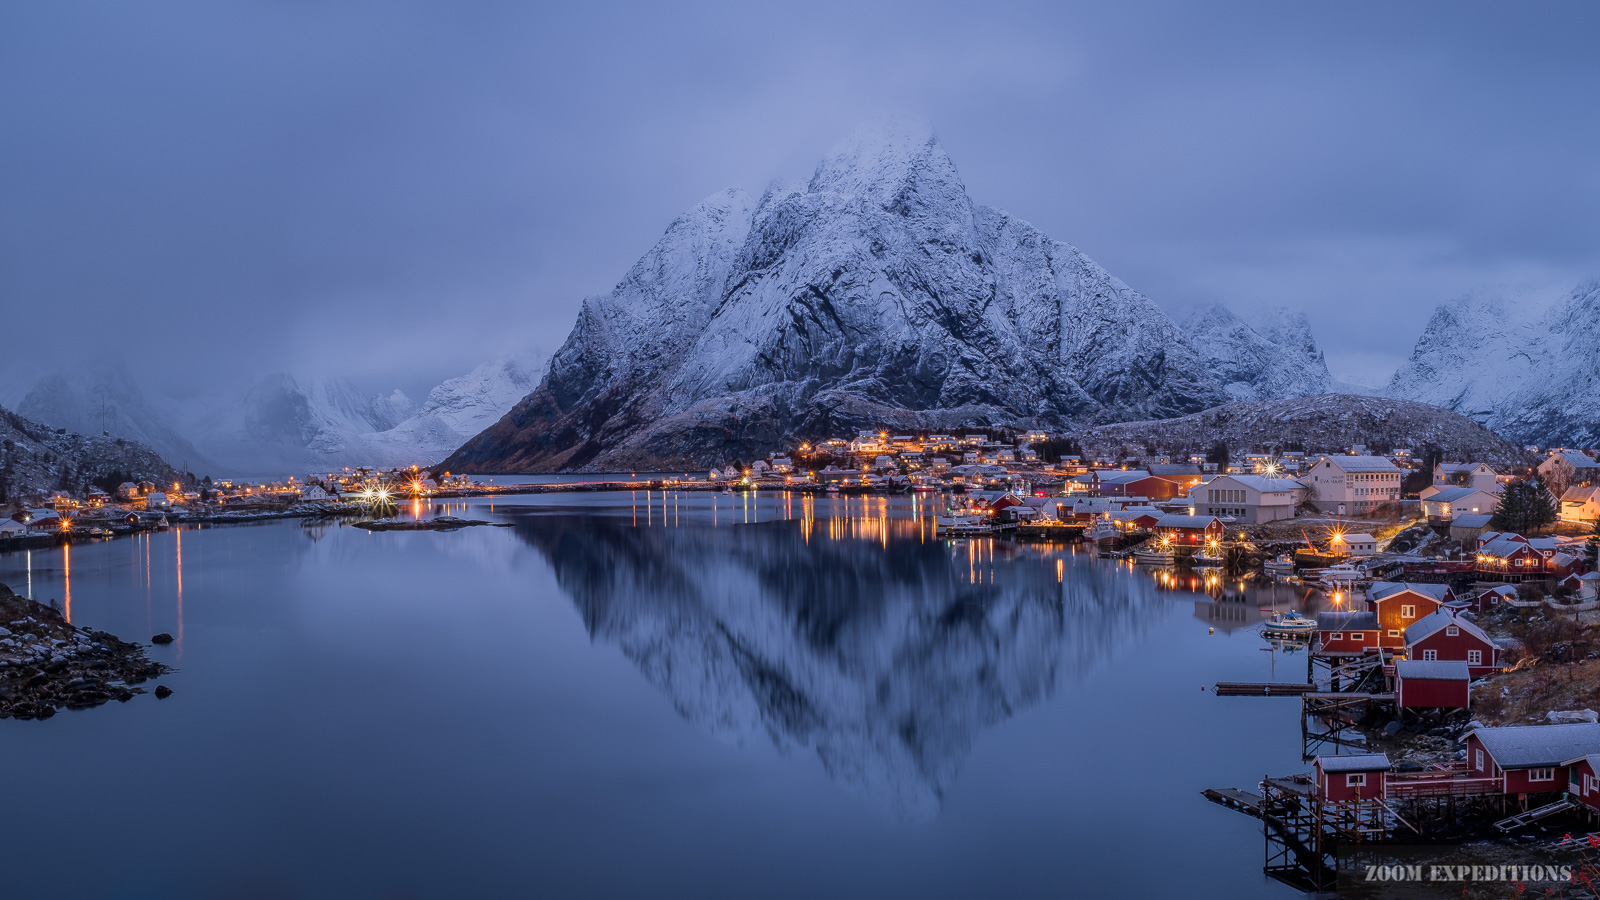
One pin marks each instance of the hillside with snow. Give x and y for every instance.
(1275, 358)
(1329, 423)
(876, 294)
(1534, 378)
(36, 459)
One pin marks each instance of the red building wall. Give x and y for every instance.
(1390, 619)
(1335, 788)
(1455, 649)
(1349, 642)
(1421, 693)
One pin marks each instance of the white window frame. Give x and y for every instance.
(1451, 631)
(1408, 611)
(1335, 635)
(1477, 757)
(1394, 632)
(1430, 655)
(1474, 657)
(1543, 773)
(1355, 779)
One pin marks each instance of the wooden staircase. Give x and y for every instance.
(1512, 823)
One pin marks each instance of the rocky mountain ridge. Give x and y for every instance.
(1533, 377)
(877, 294)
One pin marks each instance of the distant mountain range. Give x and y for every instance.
(875, 294)
(281, 424)
(1534, 378)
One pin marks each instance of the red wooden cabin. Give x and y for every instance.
(1346, 633)
(1398, 604)
(1431, 684)
(1530, 759)
(1445, 636)
(1346, 778)
(1190, 531)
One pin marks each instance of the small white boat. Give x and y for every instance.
(832, 489)
(1203, 559)
(963, 525)
(1342, 575)
(1288, 623)
(1279, 565)
(163, 525)
(1155, 557)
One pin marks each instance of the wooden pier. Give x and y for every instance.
(1261, 689)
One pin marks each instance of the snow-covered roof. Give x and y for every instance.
(1471, 520)
(1578, 459)
(1432, 670)
(1503, 547)
(1267, 484)
(1526, 746)
(1454, 494)
(1363, 463)
(1365, 762)
(1433, 623)
(1122, 477)
(1176, 521)
(1359, 537)
(1382, 589)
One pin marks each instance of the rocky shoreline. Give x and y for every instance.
(47, 663)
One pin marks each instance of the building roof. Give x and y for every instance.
(1173, 469)
(1347, 621)
(1471, 520)
(1366, 762)
(1382, 589)
(1435, 622)
(1363, 463)
(1267, 484)
(1359, 537)
(1432, 670)
(1579, 493)
(1176, 521)
(1123, 477)
(1578, 459)
(1525, 746)
(1504, 547)
(1454, 494)
(1458, 468)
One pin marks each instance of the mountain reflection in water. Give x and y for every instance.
(883, 650)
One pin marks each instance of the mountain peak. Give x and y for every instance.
(880, 157)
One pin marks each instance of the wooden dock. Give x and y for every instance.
(1235, 799)
(1261, 689)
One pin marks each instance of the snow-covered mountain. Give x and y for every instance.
(36, 459)
(1274, 359)
(1533, 377)
(282, 424)
(102, 397)
(876, 294)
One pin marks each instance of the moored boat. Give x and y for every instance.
(1279, 565)
(1288, 624)
(1155, 557)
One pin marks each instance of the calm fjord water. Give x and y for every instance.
(687, 695)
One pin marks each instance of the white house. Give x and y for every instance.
(1355, 543)
(157, 500)
(12, 528)
(1581, 504)
(1448, 502)
(782, 465)
(1569, 467)
(1472, 475)
(1349, 485)
(313, 493)
(1248, 498)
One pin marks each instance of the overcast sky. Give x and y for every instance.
(397, 192)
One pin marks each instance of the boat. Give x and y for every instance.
(1279, 565)
(1286, 624)
(924, 489)
(1343, 575)
(957, 524)
(1103, 530)
(832, 489)
(162, 525)
(1205, 560)
(1155, 557)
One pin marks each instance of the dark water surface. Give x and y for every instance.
(691, 696)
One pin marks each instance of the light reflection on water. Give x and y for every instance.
(876, 696)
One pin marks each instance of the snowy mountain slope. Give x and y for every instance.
(281, 424)
(1275, 359)
(104, 397)
(1327, 423)
(876, 654)
(35, 459)
(1533, 378)
(876, 294)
